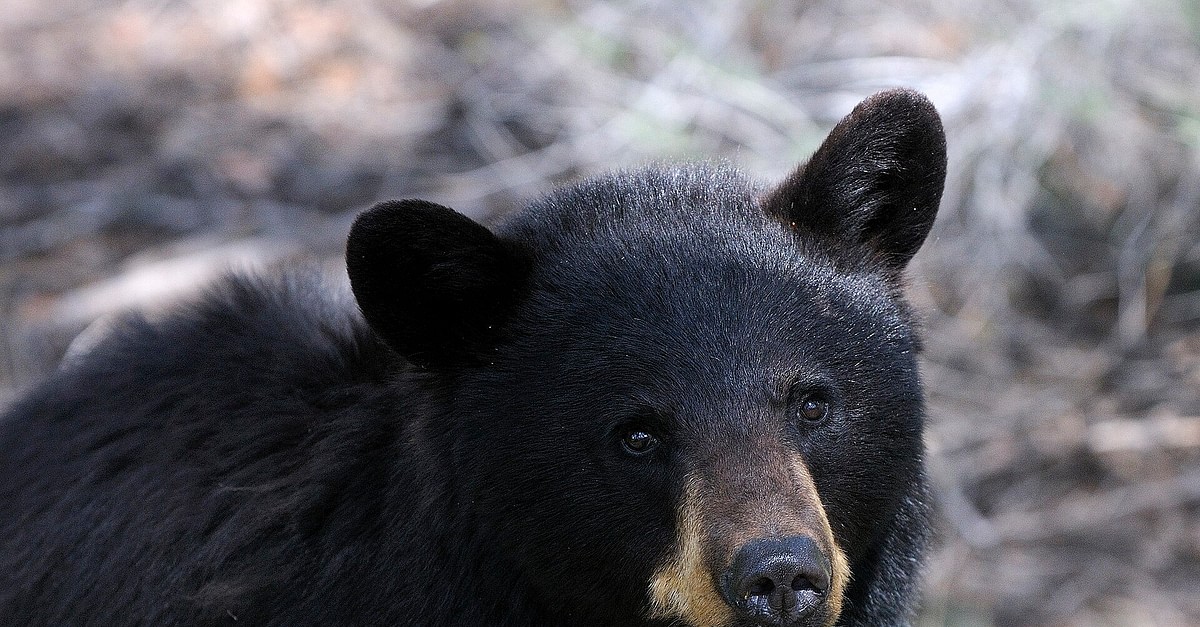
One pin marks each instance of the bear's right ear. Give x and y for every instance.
(434, 284)
(874, 185)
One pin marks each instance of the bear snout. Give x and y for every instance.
(778, 581)
(752, 554)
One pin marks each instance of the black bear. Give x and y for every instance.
(661, 397)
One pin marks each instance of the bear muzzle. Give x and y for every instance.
(778, 581)
(750, 557)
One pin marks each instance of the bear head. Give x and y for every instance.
(675, 395)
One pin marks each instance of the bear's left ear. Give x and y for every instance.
(434, 284)
(876, 181)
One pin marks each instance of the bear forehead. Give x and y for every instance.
(658, 202)
(670, 266)
(696, 232)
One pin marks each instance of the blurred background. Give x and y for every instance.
(148, 145)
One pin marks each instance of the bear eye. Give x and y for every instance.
(812, 408)
(639, 442)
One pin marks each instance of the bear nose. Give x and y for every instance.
(777, 581)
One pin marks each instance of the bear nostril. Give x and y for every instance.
(777, 579)
(801, 582)
(762, 587)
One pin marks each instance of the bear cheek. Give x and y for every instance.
(858, 509)
(586, 530)
(684, 586)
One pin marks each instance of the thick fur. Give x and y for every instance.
(447, 449)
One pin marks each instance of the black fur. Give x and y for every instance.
(430, 281)
(876, 180)
(270, 456)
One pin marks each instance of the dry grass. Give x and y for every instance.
(144, 144)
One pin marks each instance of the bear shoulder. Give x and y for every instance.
(249, 418)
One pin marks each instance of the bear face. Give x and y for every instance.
(677, 395)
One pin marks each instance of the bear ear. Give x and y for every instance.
(434, 284)
(876, 181)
